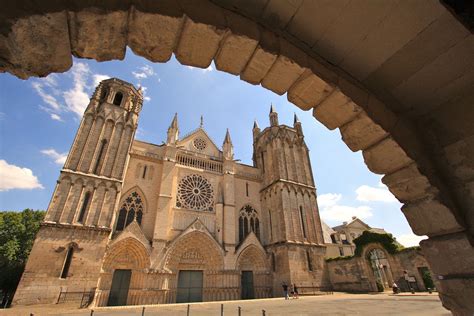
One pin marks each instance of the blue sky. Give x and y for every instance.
(39, 118)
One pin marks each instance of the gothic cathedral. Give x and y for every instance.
(138, 223)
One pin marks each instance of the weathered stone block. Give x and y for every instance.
(385, 157)
(153, 36)
(198, 44)
(37, 38)
(108, 44)
(408, 184)
(336, 110)
(362, 132)
(308, 91)
(430, 217)
(285, 71)
(456, 295)
(262, 59)
(450, 255)
(238, 45)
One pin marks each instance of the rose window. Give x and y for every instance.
(199, 143)
(195, 192)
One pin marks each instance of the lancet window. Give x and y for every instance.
(132, 209)
(248, 222)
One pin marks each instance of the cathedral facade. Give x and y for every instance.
(140, 223)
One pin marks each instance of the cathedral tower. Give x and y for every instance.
(80, 215)
(293, 236)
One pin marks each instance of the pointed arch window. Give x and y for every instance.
(248, 222)
(98, 164)
(84, 207)
(67, 262)
(131, 209)
(118, 98)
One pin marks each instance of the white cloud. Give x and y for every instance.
(367, 193)
(144, 72)
(56, 117)
(343, 213)
(410, 240)
(330, 210)
(75, 99)
(47, 98)
(98, 78)
(205, 70)
(13, 177)
(60, 159)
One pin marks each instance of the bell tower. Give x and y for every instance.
(294, 235)
(72, 239)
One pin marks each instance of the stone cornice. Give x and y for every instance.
(77, 227)
(288, 182)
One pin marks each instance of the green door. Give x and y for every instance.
(119, 289)
(246, 283)
(189, 286)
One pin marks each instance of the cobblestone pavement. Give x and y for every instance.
(337, 304)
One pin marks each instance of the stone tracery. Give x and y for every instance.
(132, 209)
(195, 193)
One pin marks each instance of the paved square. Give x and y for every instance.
(337, 304)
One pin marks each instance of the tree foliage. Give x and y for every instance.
(386, 240)
(17, 234)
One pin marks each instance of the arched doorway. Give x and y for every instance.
(380, 267)
(196, 263)
(123, 273)
(255, 281)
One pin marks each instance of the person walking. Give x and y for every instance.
(295, 291)
(285, 290)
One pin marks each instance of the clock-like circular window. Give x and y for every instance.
(195, 192)
(199, 143)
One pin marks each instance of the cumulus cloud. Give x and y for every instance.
(58, 158)
(58, 101)
(410, 240)
(77, 98)
(98, 78)
(14, 177)
(203, 70)
(56, 117)
(367, 193)
(332, 210)
(144, 72)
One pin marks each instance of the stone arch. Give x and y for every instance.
(391, 143)
(378, 266)
(252, 258)
(193, 250)
(128, 253)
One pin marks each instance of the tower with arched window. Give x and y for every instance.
(293, 231)
(82, 209)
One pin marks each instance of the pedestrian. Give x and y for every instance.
(395, 288)
(295, 291)
(285, 290)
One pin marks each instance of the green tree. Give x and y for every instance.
(17, 234)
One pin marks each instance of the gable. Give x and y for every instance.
(198, 141)
(358, 224)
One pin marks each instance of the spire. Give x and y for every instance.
(296, 120)
(227, 147)
(255, 124)
(297, 126)
(174, 123)
(273, 116)
(227, 139)
(272, 110)
(173, 131)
